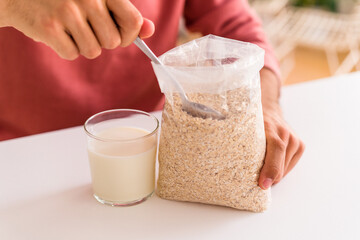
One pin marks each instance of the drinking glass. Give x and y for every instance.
(122, 146)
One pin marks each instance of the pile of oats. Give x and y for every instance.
(214, 161)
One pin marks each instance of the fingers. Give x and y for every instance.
(54, 35)
(274, 161)
(81, 26)
(283, 151)
(128, 18)
(103, 25)
(291, 150)
(65, 46)
(73, 27)
(147, 29)
(295, 158)
(80, 30)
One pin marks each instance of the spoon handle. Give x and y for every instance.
(142, 45)
(145, 49)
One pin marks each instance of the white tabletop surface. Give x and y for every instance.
(45, 190)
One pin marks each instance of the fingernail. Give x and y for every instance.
(267, 183)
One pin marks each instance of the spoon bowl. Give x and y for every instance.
(192, 108)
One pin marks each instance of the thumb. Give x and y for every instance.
(273, 168)
(147, 29)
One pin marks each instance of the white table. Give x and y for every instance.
(45, 190)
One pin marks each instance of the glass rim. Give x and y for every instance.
(120, 140)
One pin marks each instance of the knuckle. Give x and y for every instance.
(293, 138)
(71, 55)
(70, 13)
(281, 146)
(294, 141)
(94, 5)
(133, 22)
(278, 143)
(301, 148)
(274, 172)
(112, 43)
(92, 53)
(136, 21)
(49, 24)
(67, 8)
(284, 132)
(67, 52)
(125, 43)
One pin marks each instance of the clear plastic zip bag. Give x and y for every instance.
(206, 160)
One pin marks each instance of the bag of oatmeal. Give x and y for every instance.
(207, 160)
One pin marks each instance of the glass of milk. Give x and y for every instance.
(122, 147)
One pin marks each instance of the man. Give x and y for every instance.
(40, 91)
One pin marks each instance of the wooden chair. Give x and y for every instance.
(333, 33)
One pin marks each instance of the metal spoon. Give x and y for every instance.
(192, 108)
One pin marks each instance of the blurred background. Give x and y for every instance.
(312, 38)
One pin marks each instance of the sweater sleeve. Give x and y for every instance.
(232, 19)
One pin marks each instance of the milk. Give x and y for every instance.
(123, 171)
